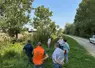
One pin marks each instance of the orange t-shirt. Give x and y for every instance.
(38, 55)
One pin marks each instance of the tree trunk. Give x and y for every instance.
(16, 34)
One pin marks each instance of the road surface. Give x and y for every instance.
(86, 44)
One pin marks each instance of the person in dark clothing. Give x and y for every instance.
(28, 48)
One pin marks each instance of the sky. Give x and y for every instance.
(63, 10)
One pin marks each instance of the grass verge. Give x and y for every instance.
(78, 57)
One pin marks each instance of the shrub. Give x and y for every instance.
(10, 54)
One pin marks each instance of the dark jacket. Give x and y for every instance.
(28, 49)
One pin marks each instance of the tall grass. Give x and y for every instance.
(13, 57)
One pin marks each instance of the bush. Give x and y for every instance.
(10, 54)
(0, 56)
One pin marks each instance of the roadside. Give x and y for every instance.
(85, 43)
(14, 57)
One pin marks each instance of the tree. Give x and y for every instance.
(84, 19)
(60, 32)
(15, 15)
(84, 25)
(42, 22)
(69, 28)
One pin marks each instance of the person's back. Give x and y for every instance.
(58, 57)
(28, 48)
(58, 54)
(39, 55)
(66, 49)
(49, 42)
(61, 43)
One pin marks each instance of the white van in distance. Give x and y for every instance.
(92, 40)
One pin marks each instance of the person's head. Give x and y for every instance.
(60, 38)
(28, 41)
(56, 45)
(48, 36)
(65, 40)
(39, 44)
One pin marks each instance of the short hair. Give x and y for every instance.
(57, 44)
(61, 37)
(39, 43)
(65, 40)
(28, 41)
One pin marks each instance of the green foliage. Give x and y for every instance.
(59, 32)
(15, 15)
(44, 25)
(43, 13)
(85, 18)
(78, 57)
(10, 54)
(69, 29)
(84, 25)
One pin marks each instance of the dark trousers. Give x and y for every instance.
(38, 66)
(29, 57)
(61, 47)
(57, 65)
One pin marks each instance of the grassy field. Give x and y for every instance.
(13, 57)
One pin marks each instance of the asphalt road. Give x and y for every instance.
(86, 44)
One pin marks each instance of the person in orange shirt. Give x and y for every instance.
(39, 55)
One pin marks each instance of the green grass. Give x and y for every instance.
(13, 57)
